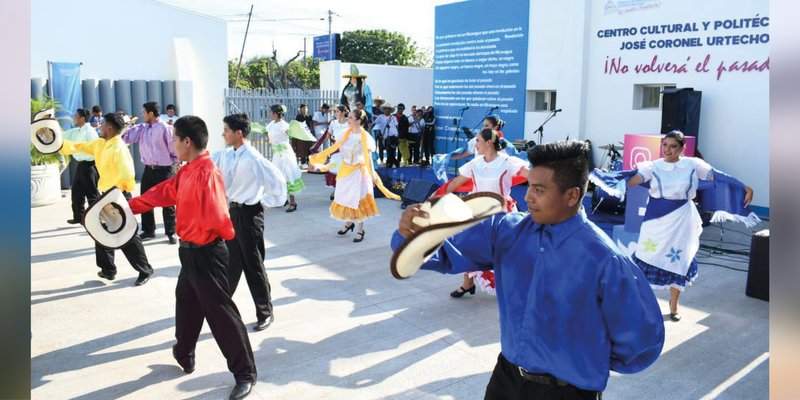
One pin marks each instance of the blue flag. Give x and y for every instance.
(65, 87)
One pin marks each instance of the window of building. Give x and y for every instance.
(541, 100)
(648, 96)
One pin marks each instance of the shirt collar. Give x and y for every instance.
(562, 230)
(241, 150)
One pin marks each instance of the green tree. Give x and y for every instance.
(267, 72)
(379, 46)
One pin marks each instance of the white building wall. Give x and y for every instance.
(566, 55)
(407, 85)
(138, 39)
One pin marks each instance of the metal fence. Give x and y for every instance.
(256, 102)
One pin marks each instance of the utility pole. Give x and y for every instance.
(239, 68)
(330, 39)
(305, 56)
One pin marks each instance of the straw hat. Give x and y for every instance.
(110, 221)
(353, 73)
(387, 105)
(46, 133)
(448, 215)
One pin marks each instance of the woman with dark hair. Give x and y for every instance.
(282, 154)
(490, 171)
(490, 122)
(334, 133)
(353, 202)
(670, 234)
(356, 91)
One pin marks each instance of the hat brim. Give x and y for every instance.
(46, 135)
(124, 223)
(415, 250)
(354, 76)
(44, 114)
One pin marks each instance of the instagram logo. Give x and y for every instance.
(639, 154)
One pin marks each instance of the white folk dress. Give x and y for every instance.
(283, 156)
(495, 177)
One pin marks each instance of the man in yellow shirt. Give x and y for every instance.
(115, 166)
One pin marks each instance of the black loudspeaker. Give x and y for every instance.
(417, 191)
(680, 110)
(758, 271)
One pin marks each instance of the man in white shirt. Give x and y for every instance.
(320, 121)
(170, 117)
(388, 126)
(250, 180)
(84, 185)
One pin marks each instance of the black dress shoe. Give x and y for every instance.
(143, 278)
(461, 291)
(172, 239)
(105, 275)
(187, 364)
(675, 317)
(73, 221)
(147, 235)
(261, 325)
(241, 390)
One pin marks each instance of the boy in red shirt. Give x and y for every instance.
(203, 224)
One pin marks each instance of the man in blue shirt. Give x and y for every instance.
(572, 305)
(250, 181)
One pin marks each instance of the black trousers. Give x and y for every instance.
(133, 250)
(381, 145)
(202, 292)
(392, 155)
(428, 148)
(413, 150)
(84, 187)
(506, 383)
(153, 176)
(247, 255)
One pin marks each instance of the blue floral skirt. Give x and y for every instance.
(661, 279)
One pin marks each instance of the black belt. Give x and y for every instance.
(158, 166)
(190, 245)
(542, 379)
(234, 204)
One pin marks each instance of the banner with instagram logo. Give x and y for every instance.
(647, 147)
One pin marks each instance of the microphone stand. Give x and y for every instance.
(540, 129)
(458, 132)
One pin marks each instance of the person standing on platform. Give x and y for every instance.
(573, 307)
(203, 224)
(429, 135)
(388, 124)
(251, 181)
(84, 186)
(416, 125)
(170, 117)
(115, 168)
(155, 146)
(402, 135)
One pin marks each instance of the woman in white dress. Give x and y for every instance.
(335, 131)
(282, 155)
(353, 200)
(490, 171)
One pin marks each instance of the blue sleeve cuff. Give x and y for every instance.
(396, 241)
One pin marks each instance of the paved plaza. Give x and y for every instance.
(344, 327)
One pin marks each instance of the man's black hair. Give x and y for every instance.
(194, 128)
(97, 109)
(115, 121)
(567, 159)
(238, 122)
(170, 106)
(151, 106)
(83, 113)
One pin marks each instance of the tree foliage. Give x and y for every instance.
(268, 72)
(379, 46)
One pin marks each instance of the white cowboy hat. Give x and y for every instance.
(46, 113)
(387, 105)
(46, 135)
(448, 215)
(110, 221)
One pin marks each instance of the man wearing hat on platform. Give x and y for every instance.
(252, 183)
(203, 224)
(570, 310)
(155, 146)
(84, 186)
(387, 123)
(115, 167)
